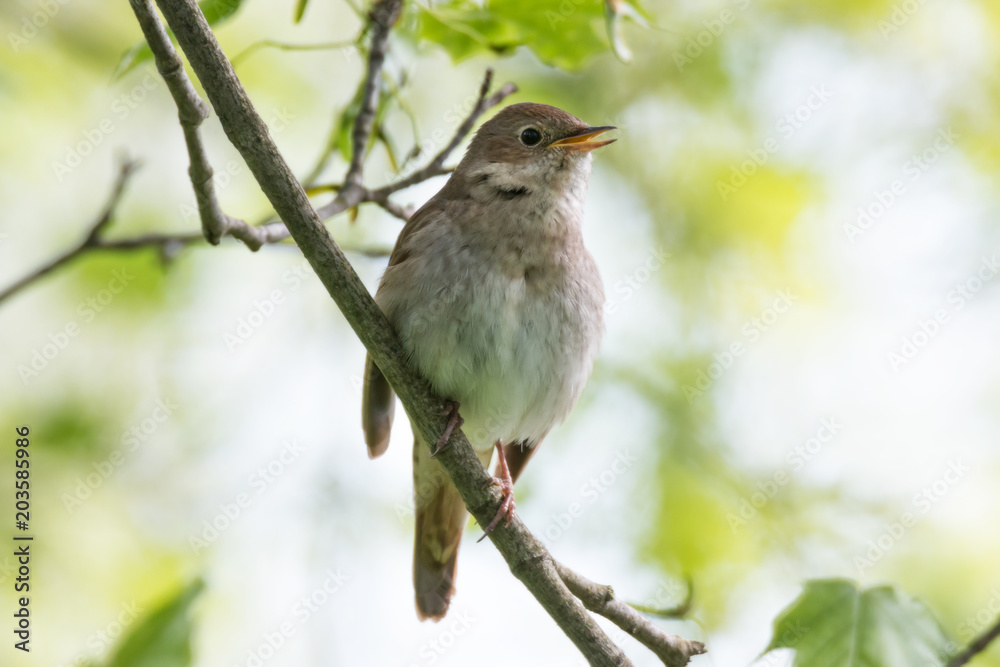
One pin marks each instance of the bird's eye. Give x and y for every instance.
(530, 136)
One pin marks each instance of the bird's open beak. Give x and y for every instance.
(584, 139)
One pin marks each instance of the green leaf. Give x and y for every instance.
(833, 623)
(162, 639)
(300, 9)
(562, 33)
(343, 136)
(215, 11)
(465, 30)
(614, 12)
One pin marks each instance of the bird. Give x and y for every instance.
(499, 306)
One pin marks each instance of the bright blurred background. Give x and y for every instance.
(797, 231)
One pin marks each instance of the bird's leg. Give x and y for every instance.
(507, 489)
(454, 421)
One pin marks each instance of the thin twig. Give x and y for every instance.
(401, 212)
(283, 46)
(436, 166)
(192, 111)
(671, 649)
(484, 102)
(91, 240)
(274, 231)
(149, 240)
(191, 108)
(977, 646)
(382, 17)
(680, 611)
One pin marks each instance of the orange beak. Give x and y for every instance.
(583, 140)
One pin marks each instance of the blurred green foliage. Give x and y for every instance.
(672, 168)
(163, 638)
(215, 11)
(562, 33)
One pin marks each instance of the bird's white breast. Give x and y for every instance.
(508, 328)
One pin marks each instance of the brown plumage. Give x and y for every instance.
(499, 306)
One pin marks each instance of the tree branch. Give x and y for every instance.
(392, 208)
(274, 231)
(671, 649)
(525, 555)
(282, 46)
(90, 241)
(436, 166)
(381, 18)
(679, 611)
(977, 646)
(192, 111)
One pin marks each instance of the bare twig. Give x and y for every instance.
(350, 198)
(274, 231)
(680, 611)
(192, 111)
(282, 46)
(382, 17)
(90, 241)
(401, 212)
(671, 649)
(977, 646)
(436, 166)
(525, 555)
(149, 240)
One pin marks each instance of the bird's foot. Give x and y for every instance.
(454, 421)
(506, 485)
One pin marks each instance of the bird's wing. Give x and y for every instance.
(378, 401)
(517, 455)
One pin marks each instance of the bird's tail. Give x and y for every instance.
(441, 517)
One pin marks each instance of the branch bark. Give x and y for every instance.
(436, 166)
(671, 649)
(91, 241)
(192, 111)
(525, 555)
(381, 18)
(274, 230)
(977, 646)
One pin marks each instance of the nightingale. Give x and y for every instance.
(499, 305)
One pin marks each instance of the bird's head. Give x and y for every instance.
(528, 146)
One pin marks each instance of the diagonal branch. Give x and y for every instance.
(90, 241)
(525, 555)
(274, 230)
(192, 111)
(215, 223)
(678, 611)
(977, 646)
(436, 166)
(671, 649)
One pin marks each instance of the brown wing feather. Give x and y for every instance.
(517, 454)
(378, 402)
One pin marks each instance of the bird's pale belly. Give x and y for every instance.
(511, 352)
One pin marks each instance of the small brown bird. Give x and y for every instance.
(500, 307)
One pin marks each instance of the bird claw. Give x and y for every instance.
(507, 506)
(454, 421)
